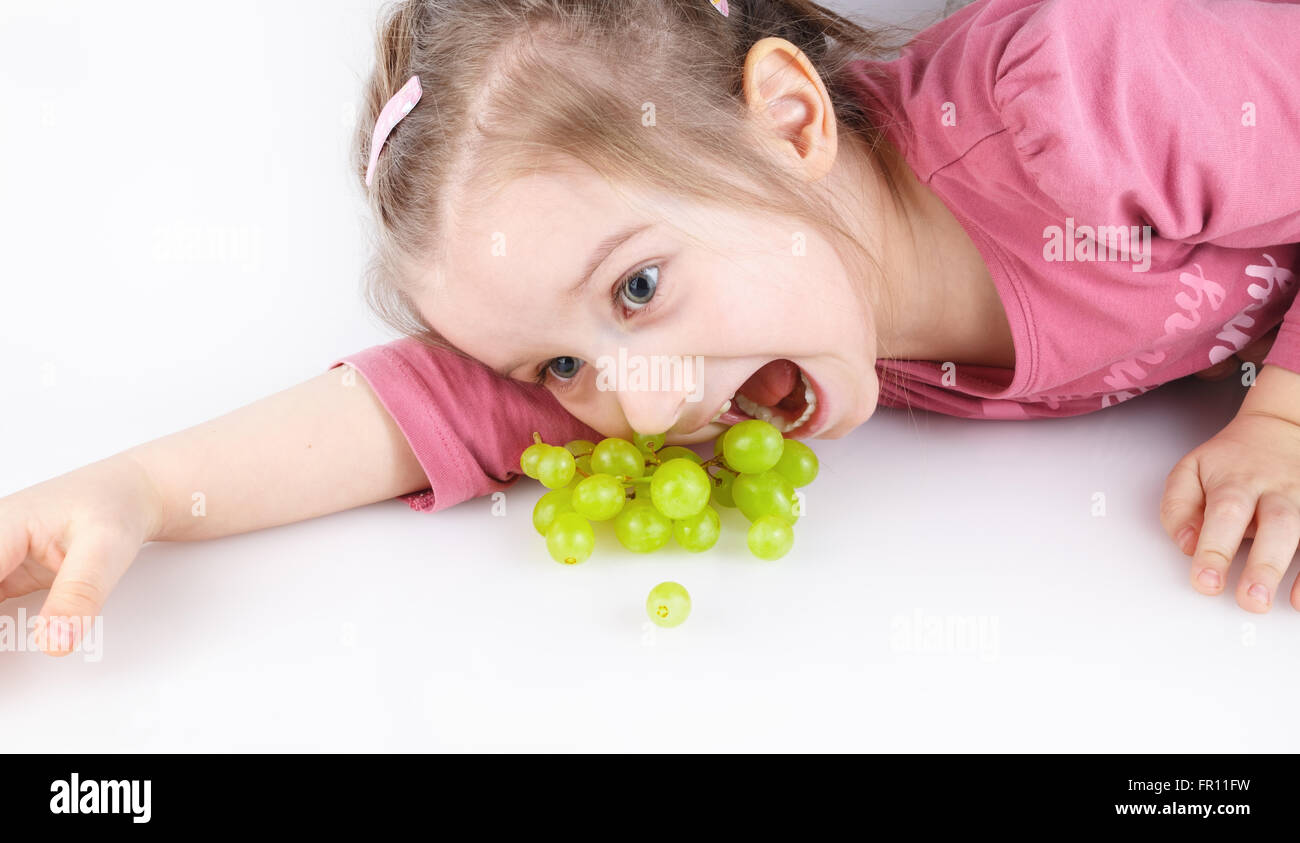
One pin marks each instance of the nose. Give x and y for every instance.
(651, 411)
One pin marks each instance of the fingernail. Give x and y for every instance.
(1184, 537)
(60, 634)
(1259, 592)
(1209, 578)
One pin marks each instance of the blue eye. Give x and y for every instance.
(564, 368)
(639, 288)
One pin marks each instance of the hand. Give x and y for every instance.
(1253, 353)
(75, 535)
(1243, 483)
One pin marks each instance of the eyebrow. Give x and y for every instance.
(603, 250)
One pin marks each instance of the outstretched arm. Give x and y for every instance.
(322, 446)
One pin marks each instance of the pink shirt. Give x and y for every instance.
(466, 424)
(1031, 121)
(1034, 117)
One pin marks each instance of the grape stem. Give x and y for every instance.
(631, 482)
(715, 462)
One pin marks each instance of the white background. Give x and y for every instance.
(182, 236)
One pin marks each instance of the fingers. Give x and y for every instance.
(94, 563)
(1180, 508)
(25, 580)
(14, 543)
(1276, 538)
(1229, 509)
(1203, 529)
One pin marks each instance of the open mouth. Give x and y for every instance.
(779, 393)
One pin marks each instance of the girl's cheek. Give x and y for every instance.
(586, 404)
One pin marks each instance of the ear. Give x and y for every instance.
(785, 92)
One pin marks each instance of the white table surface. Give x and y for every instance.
(163, 264)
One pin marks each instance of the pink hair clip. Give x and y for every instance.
(397, 108)
(721, 6)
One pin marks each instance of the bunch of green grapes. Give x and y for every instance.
(654, 494)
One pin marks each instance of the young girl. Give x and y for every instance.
(1040, 209)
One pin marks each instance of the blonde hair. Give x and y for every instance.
(510, 82)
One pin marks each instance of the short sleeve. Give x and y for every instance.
(1179, 114)
(465, 423)
(1183, 115)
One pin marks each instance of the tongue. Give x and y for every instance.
(770, 384)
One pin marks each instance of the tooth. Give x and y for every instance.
(749, 407)
(811, 398)
(722, 412)
(765, 414)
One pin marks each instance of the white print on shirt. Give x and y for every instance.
(1234, 330)
(1125, 375)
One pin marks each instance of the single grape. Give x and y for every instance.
(599, 497)
(579, 447)
(752, 446)
(722, 491)
(668, 604)
(570, 539)
(641, 528)
(556, 468)
(717, 444)
(531, 456)
(768, 493)
(700, 531)
(798, 463)
(677, 452)
(549, 506)
(647, 444)
(618, 457)
(680, 489)
(770, 537)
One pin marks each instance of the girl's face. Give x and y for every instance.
(724, 292)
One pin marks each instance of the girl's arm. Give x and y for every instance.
(419, 419)
(319, 447)
(325, 445)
